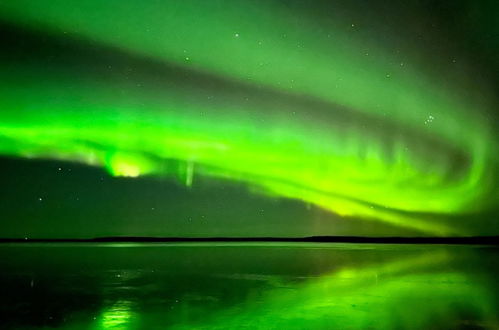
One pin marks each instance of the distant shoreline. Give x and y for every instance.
(475, 240)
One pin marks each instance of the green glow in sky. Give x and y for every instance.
(375, 134)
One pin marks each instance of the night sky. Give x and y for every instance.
(248, 118)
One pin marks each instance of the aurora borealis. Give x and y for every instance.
(342, 109)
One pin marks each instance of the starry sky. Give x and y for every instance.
(248, 118)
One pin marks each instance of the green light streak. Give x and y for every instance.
(354, 169)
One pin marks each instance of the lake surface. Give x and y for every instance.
(248, 286)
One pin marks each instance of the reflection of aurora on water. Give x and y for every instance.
(256, 285)
(117, 316)
(395, 287)
(394, 295)
(296, 113)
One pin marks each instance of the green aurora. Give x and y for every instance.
(291, 106)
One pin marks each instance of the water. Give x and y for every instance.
(248, 286)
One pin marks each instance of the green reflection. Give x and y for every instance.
(404, 294)
(253, 286)
(119, 315)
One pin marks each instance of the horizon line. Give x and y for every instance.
(468, 240)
